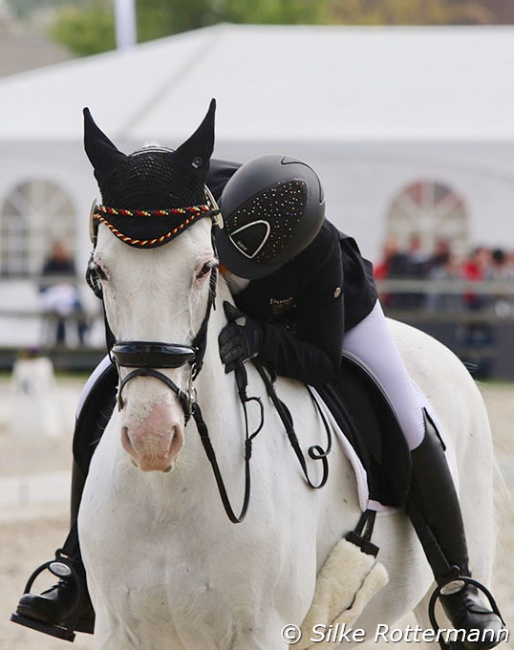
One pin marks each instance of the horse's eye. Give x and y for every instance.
(100, 273)
(206, 269)
(94, 276)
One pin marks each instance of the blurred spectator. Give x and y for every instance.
(418, 261)
(419, 258)
(393, 265)
(441, 249)
(501, 269)
(474, 268)
(397, 264)
(479, 333)
(60, 298)
(389, 250)
(444, 268)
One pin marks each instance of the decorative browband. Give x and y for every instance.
(148, 228)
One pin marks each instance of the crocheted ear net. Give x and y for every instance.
(150, 180)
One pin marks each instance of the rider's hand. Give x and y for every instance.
(240, 339)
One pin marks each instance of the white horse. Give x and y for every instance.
(166, 568)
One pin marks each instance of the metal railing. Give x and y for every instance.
(473, 318)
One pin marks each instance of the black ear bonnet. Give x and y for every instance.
(152, 195)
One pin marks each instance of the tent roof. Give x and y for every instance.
(279, 83)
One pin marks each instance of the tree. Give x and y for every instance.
(409, 12)
(85, 31)
(88, 27)
(158, 18)
(278, 12)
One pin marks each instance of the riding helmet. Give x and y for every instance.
(273, 207)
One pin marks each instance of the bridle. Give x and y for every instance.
(147, 357)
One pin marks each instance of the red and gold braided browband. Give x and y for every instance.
(192, 209)
(102, 213)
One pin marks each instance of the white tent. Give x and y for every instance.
(375, 110)
(281, 83)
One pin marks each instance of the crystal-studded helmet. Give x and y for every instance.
(273, 207)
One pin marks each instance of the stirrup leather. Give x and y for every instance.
(61, 567)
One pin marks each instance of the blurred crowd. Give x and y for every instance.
(442, 266)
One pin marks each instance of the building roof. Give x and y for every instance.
(280, 83)
(21, 51)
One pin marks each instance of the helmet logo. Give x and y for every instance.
(251, 238)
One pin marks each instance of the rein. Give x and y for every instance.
(316, 452)
(211, 454)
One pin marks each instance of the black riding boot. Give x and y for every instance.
(435, 512)
(66, 607)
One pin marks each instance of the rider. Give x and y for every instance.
(306, 293)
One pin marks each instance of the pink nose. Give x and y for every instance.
(155, 441)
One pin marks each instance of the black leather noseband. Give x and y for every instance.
(153, 354)
(145, 356)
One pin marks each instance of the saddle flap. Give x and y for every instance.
(363, 411)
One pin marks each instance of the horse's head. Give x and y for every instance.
(156, 286)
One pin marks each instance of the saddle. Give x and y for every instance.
(363, 411)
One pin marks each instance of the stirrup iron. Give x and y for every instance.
(61, 567)
(437, 593)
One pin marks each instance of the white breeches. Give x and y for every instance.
(371, 342)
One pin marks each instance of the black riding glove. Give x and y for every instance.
(240, 339)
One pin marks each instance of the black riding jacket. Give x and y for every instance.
(306, 306)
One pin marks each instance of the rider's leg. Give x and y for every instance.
(54, 609)
(432, 489)
(434, 503)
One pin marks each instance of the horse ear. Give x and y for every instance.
(197, 150)
(104, 156)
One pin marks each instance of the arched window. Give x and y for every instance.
(431, 211)
(34, 214)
